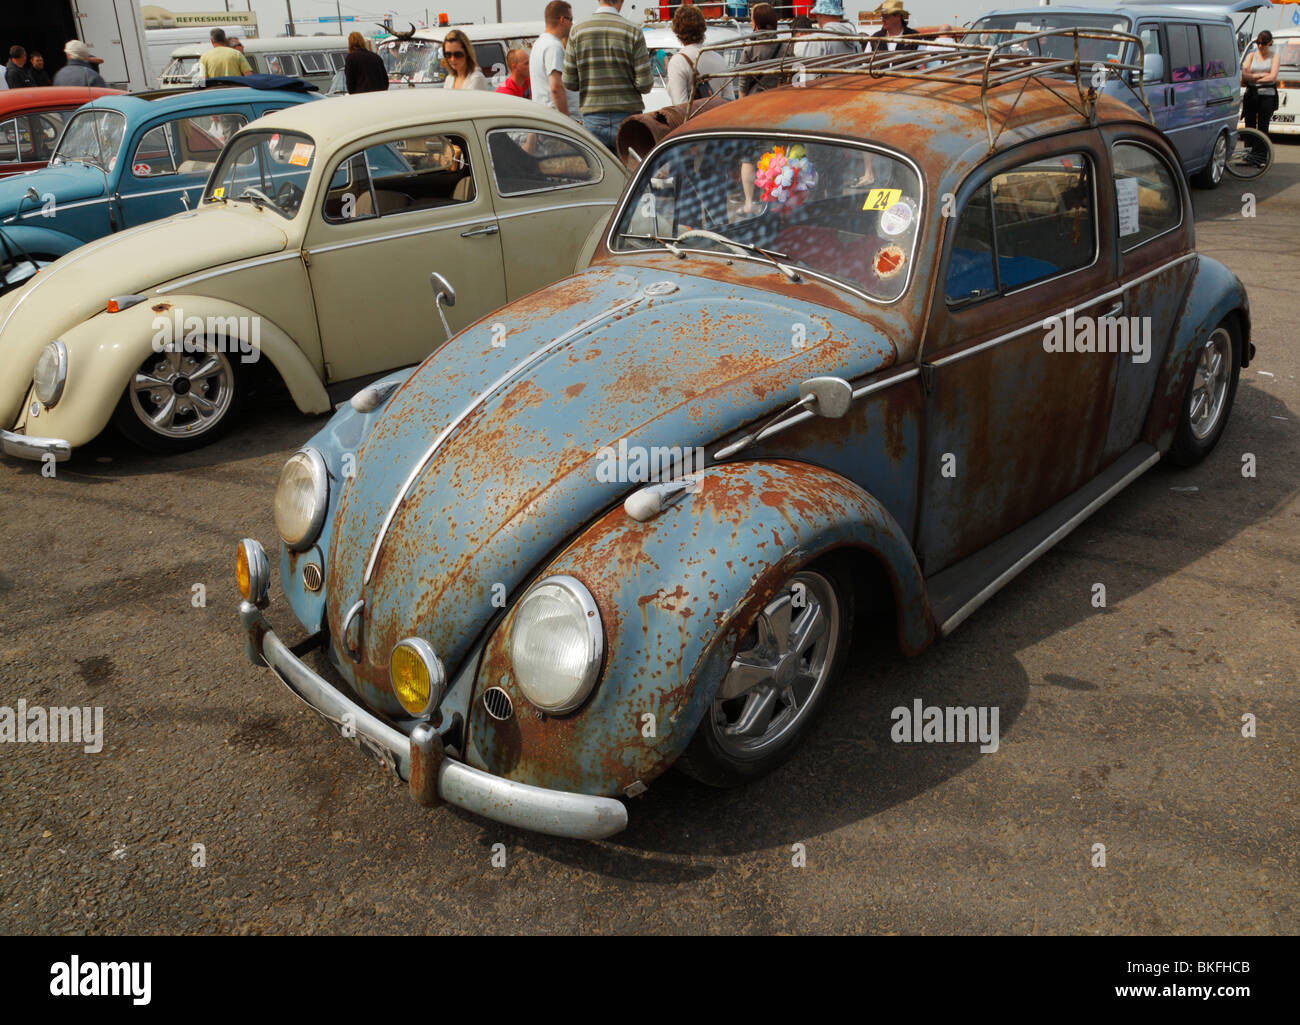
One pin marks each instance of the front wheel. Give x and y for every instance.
(1209, 396)
(777, 681)
(1252, 156)
(179, 401)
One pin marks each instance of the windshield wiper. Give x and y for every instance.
(788, 272)
(667, 243)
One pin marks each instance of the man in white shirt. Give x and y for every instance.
(829, 16)
(546, 62)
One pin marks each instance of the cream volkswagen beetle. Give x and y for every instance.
(312, 249)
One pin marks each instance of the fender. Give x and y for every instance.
(104, 351)
(1213, 294)
(676, 594)
(38, 240)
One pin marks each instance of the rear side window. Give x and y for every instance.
(1027, 224)
(1219, 51)
(527, 161)
(1184, 52)
(1146, 195)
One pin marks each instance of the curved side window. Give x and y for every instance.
(525, 161)
(1146, 195)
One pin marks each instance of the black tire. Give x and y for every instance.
(1199, 430)
(189, 429)
(716, 756)
(1211, 175)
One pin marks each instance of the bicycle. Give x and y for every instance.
(1252, 156)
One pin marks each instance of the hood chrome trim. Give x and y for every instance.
(478, 400)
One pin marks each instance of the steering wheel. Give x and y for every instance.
(288, 197)
(256, 193)
(712, 236)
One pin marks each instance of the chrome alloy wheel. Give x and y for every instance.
(180, 395)
(784, 664)
(1219, 159)
(1210, 384)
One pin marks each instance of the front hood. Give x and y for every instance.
(67, 183)
(653, 358)
(76, 287)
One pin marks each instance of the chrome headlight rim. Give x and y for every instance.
(320, 484)
(423, 650)
(50, 398)
(595, 632)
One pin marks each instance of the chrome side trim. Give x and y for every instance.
(1014, 570)
(229, 268)
(561, 206)
(36, 211)
(399, 234)
(478, 400)
(1038, 324)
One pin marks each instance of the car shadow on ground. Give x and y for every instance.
(1228, 201)
(849, 770)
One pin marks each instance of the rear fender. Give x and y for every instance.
(676, 594)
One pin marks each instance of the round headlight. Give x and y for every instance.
(556, 644)
(301, 499)
(417, 676)
(50, 373)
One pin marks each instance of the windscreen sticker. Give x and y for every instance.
(889, 261)
(881, 199)
(142, 169)
(301, 155)
(219, 192)
(897, 219)
(1126, 197)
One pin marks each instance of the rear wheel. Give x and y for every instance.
(777, 681)
(1212, 173)
(179, 401)
(1209, 396)
(1252, 156)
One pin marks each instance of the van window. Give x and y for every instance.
(316, 63)
(1150, 36)
(1184, 52)
(1146, 195)
(491, 58)
(280, 64)
(1030, 223)
(1219, 50)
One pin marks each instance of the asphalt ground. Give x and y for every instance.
(1119, 726)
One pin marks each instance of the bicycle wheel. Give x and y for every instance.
(1252, 156)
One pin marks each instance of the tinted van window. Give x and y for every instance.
(1219, 51)
(1184, 52)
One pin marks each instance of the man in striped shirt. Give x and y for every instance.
(608, 64)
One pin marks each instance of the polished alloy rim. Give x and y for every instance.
(1210, 384)
(1219, 160)
(781, 668)
(179, 394)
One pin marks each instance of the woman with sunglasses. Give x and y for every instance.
(462, 69)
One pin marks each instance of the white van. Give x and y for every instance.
(315, 58)
(162, 42)
(1286, 121)
(418, 60)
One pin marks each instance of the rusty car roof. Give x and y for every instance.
(940, 125)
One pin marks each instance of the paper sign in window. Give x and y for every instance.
(301, 155)
(1126, 198)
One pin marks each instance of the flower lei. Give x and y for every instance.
(785, 177)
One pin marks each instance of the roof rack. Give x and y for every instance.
(944, 58)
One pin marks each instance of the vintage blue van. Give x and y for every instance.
(125, 160)
(1192, 67)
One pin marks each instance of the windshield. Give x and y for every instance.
(413, 60)
(92, 137)
(839, 211)
(1289, 49)
(182, 69)
(1032, 21)
(267, 169)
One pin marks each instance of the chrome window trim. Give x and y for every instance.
(474, 403)
(562, 206)
(1175, 176)
(1038, 325)
(228, 268)
(822, 137)
(592, 156)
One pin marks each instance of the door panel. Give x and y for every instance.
(402, 208)
(1011, 428)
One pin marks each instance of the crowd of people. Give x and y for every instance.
(26, 69)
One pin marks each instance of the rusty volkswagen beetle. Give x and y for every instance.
(878, 339)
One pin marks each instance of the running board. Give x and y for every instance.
(963, 587)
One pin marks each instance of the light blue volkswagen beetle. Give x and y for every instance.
(836, 351)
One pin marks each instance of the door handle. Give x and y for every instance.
(1117, 308)
(487, 229)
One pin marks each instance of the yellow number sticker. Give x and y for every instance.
(218, 192)
(882, 199)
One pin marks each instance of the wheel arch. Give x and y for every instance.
(676, 594)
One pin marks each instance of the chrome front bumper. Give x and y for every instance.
(418, 758)
(26, 447)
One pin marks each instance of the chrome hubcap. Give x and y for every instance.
(1210, 384)
(178, 394)
(780, 669)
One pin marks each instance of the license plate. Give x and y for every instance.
(1285, 119)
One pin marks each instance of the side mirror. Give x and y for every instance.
(830, 397)
(443, 294)
(32, 194)
(1153, 68)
